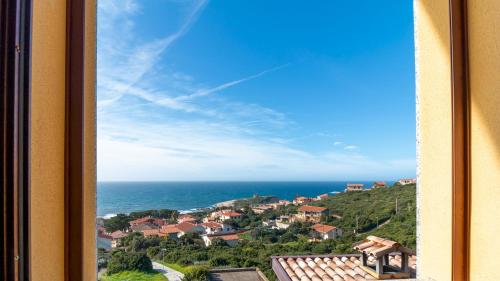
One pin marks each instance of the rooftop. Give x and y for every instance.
(314, 209)
(237, 274)
(329, 268)
(323, 228)
(377, 247)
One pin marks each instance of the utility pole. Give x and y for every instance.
(377, 221)
(396, 206)
(356, 231)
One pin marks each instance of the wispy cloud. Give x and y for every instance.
(350, 147)
(206, 92)
(158, 123)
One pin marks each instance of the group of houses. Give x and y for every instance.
(378, 184)
(211, 228)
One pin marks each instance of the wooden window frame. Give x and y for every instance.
(15, 71)
(15, 75)
(461, 159)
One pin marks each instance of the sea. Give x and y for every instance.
(126, 197)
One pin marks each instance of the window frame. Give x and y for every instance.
(15, 87)
(15, 115)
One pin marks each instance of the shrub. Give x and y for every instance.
(197, 273)
(123, 261)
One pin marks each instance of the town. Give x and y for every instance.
(267, 219)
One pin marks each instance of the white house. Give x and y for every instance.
(325, 232)
(215, 228)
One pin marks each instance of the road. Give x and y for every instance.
(172, 275)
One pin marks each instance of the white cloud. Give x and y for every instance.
(350, 147)
(149, 131)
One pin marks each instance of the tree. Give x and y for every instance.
(128, 261)
(118, 222)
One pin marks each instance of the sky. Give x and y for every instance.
(255, 90)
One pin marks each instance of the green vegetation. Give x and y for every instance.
(128, 261)
(121, 221)
(197, 273)
(378, 205)
(135, 276)
(359, 214)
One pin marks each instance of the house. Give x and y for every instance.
(280, 203)
(398, 263)
(104, 241)
(143, 226)
(149, 221)
(325, 232)
(226, 215)
(322, 196)
(153, 232)
(311, 213)
(116, 238)
(299, 200)
(186, 218)
(230, 239)
(354, 187)
(269, 223)
(171, 231)
(407, 181)
(261, 209)
(188, 227)
(379, 184)
(215, 228)
(283, 222)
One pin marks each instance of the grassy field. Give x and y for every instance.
(134, 276)
(174, 266)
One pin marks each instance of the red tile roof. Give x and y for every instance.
(169, 229)
(355, 185)
(330, 268)
(231, 214)
(323, 196)
(379, 183)
(227, 237)
(185, 226)
(118, 234)
(314, 209)
(212, 224)
(323, 228)
(377, 247)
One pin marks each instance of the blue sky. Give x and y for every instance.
(255, 90)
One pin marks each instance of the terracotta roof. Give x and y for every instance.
(231, 214)
(118, 234)
(314, 209)
(322, 196)
(377, 247)
(329, 268)
(151, 232)
(379, 183)
(170, 228)
(185, 226)
(212, 224)
(323, 228)
(228, 237)
(143, 226)
(355, 185)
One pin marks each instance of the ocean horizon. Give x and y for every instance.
(125, 197)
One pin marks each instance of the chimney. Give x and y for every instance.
(380, 249)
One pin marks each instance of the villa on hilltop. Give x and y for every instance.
(354, 187)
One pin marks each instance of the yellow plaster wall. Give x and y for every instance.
(484, 59)
(47, 139)
(434, 139)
